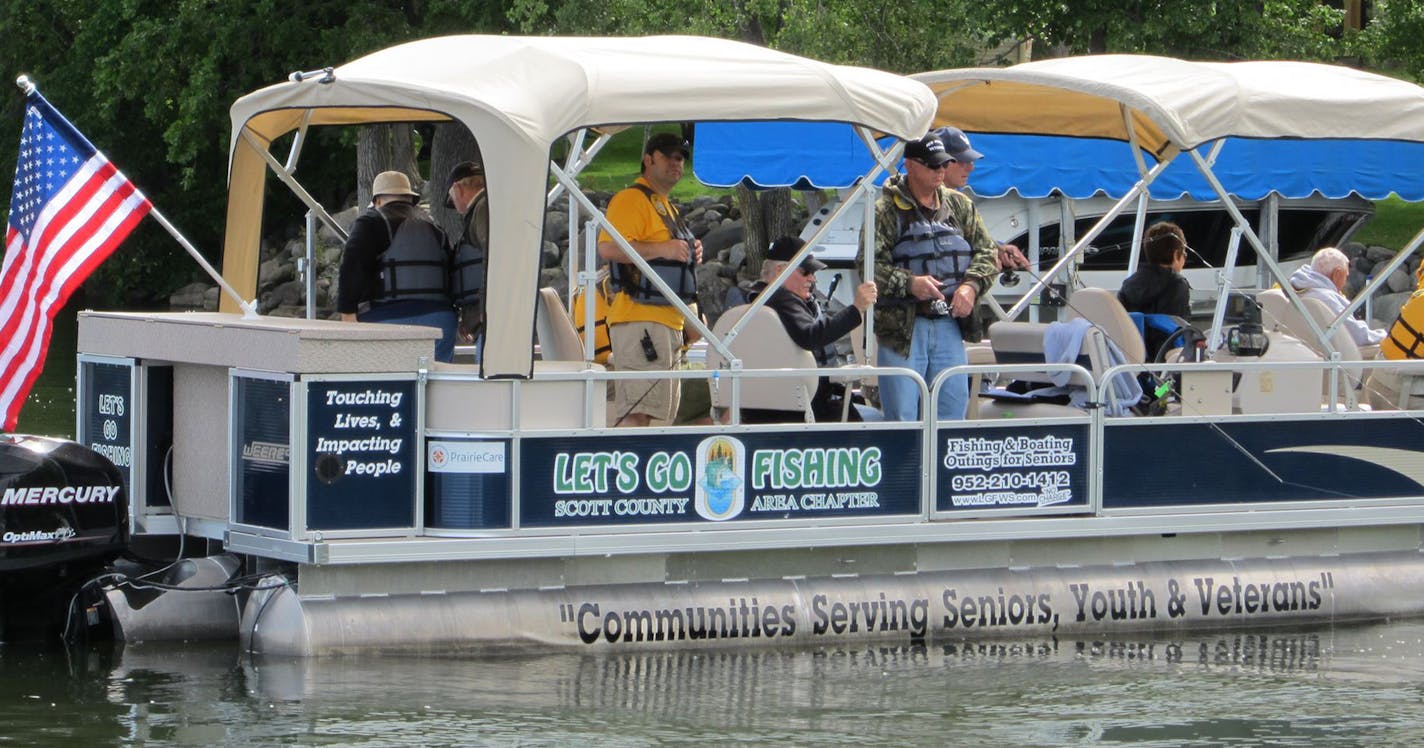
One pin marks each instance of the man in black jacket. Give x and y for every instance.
(395, 265)
(808, 325)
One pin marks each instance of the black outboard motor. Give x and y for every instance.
(63, 518)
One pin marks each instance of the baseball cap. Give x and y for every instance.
(463, 170)
(928, 151)
(665, 142)
(466, 169)
(956, 144)
(785, 248)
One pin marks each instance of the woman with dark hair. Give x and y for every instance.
(1158, 286)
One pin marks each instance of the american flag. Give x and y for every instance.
(69, 210)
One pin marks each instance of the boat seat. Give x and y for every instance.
(558, 339)
(764, 344)
(1278, 313)
(1102, 308)
(1022, 343)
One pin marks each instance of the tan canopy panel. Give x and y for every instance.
(1165, 100)
(518, 95)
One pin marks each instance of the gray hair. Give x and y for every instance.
(1328, 260)
(770, 269)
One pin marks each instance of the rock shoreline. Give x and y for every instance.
(716, 220)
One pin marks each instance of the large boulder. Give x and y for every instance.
(189, 296)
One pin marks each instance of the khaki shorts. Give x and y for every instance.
(657, 398)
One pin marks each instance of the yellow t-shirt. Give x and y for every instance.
(636, 218)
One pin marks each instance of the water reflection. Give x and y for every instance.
(1327, 686)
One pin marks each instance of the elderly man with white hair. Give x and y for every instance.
(1324, 279)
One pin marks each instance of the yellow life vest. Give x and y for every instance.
(1406, 336)
(602, 296)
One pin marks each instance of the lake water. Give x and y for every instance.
(1361, 685)
(1340, 686)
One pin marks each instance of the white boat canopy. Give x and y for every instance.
(1168, 107)
(1164, 101)
(518, 95)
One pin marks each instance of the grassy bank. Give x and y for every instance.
(1394, 224)
(618, 163)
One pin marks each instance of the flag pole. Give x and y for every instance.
(248, 311)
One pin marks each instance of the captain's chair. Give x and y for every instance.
(558, 340)
(764, 344)
(1102, 308)
(1280, 314)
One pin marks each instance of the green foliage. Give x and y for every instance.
(1395, 223)
(150, 81)
(1213, 30)
(1395, 38)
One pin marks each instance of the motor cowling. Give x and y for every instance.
(60, 503)
(63, 521)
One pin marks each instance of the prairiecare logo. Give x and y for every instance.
(465, 457)
(721, 487)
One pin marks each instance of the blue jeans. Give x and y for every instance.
(935, 345)
(400, 313)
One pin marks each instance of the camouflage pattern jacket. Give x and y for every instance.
(895, 312)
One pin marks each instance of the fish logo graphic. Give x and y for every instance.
(719, 493)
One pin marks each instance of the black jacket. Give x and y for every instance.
(359, 277)
(814, 333)
(1155, 289)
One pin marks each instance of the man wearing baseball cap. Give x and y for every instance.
(808, 326)
(644, 329)
(933, 258)
(466, 196)
(393, 266)
(956, 176)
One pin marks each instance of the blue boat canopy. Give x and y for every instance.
(826, 156)
(1065, 126)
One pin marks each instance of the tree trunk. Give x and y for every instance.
(453, 144)
(766, 215)
(384, 148)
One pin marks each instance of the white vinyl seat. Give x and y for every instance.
(1022, 343)
(764, 344)
(1278, 313)
(1102, 308)
(558, 340)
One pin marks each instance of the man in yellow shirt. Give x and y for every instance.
(643, 327)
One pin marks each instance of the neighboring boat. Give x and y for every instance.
(396, 505)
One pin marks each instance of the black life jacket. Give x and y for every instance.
(929, 247)
(681, 277)
(416, 264)
(467, 268)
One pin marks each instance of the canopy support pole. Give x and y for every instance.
(867, 183)
(597, 216)
(293, 185)
(1082, 243)
(1261, 254)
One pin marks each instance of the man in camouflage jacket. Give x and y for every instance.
(933, 258)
